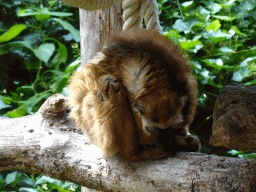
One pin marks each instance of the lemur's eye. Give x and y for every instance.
(140, 107)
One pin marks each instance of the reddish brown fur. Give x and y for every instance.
(137, 97)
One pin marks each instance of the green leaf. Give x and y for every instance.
(226, 50)
(247, 6)
(12, 177)
(244, 71)
(214, 26)
(25, 189)
(224, 18)
(72, 66)
(26, 12)
(26, 44)
(215, 63)
(183, 26)
(202, 13)
(19, 112)
(235, 152)
(180, 25)
(8, 100)
(217, 36)
(13, 32)
(163, 8)
(214, 7)
(45, 51)
(251, 155)
(56, 73)
(61, 56)
(253, 82)
(234, 28)
(57, 187)
(45, 179)
(41, 14)
(189, 44)
(228, 4)
(60, 83)
(172, 34)
(60, 14)
(187, 5)
(4, 48)
(246, 61)
(26, 90)
(68, 27)
(3, 105)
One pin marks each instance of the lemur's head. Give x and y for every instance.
(161, 109)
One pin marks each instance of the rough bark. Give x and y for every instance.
(95, 27)
(234, 118)
(49, 143)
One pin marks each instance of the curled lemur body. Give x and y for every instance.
(137, 97)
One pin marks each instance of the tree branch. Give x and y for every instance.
(49, 143)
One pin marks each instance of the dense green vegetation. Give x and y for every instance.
(35, 53)
(39, 48)
(219, 37)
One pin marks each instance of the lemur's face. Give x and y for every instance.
(161, 109)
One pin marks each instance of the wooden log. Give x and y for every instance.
(234, 118)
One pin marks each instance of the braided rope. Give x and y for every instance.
(150, 14)
(132, 14)
(134, 11)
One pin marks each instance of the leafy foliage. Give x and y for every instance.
(18, 181)
(38, 52)
(219, 37)
(38, 44)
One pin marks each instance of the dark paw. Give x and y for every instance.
(193, 143)
(189, 143)
(168, 141)
(110, 89)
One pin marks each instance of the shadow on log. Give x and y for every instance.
(234, 118)
(49, 143)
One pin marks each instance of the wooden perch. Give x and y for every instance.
(49, 143)
(234, 118)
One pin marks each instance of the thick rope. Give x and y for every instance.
(132, 14)
(134, 11)
(150, 14)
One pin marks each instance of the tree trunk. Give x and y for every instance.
(234, 118)
(95, 27)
